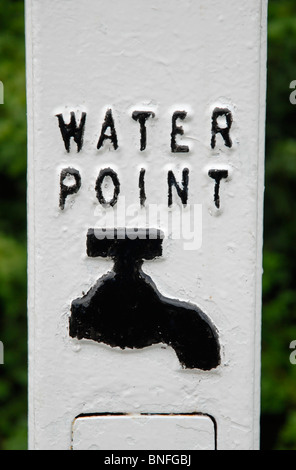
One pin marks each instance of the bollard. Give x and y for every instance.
(145, 204)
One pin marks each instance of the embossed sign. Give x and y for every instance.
(145, 194)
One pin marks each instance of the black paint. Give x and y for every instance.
(178, 130)
(142, 117)
(71, 130)
(108, 123)
(142, 187)
(124, 308)
(182, 192)
(66, 190)
(224, 131)
(217, 175)
(113, 175)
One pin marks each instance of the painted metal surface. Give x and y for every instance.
(140, 432)
(137, 108)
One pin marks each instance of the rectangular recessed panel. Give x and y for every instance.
(143, 432)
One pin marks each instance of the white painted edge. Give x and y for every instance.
(260, 221)
(30, 218)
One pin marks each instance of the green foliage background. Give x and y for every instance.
(278, 430)
(13, 323)
(279, 280)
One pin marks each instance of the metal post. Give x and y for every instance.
(145, 195)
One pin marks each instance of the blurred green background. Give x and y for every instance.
(278, 423)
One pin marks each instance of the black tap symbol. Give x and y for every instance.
(125, 309)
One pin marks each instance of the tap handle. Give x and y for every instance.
(138, 244)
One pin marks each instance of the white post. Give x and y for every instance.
(145, 193)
